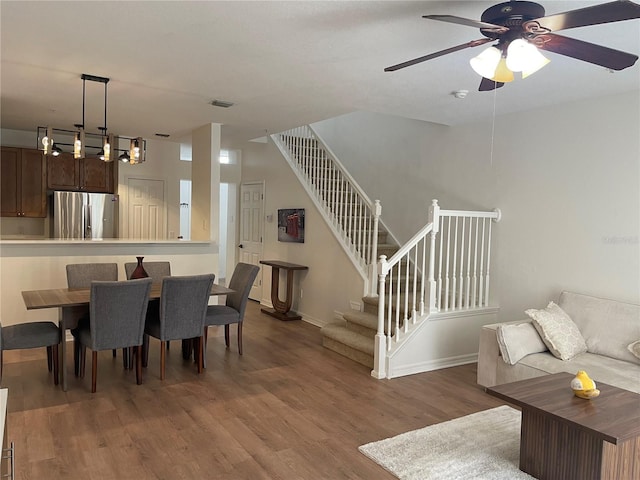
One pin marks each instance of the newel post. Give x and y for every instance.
(377, 211)
(380, 347)
(434, 219)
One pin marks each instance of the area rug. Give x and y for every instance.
(483, 445)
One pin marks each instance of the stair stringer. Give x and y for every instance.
(422, 348)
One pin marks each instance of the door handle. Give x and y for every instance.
(240, 246)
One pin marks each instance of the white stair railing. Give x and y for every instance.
(351, 215)
(428, 275)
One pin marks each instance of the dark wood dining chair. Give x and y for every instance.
(116, 320)
(183, 306)
(32, 335)
(233, 310)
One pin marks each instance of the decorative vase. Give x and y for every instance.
(139, 272)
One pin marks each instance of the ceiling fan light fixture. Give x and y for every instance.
(524, 57)
(487, 62)
(502, 73)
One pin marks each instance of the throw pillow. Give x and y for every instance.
(518, 341)
(634, 348)
(558, 331)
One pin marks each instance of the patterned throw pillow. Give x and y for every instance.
(558, 331)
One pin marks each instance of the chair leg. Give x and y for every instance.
(138, 364)
(163, 356)
(94, 370)
(56, 364)
(131, 351)
(114, 351)
(1, 364)
(83, 360)
(200, 342)
(145, 350)
(226, 335)
(240, 338)
(76, 357)
(187, 348)
(49, 359)
(204, 347)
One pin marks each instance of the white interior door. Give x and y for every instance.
(146, 219)
(251, 225)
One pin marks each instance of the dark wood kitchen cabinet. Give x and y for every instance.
(83, 175)
(23, 183)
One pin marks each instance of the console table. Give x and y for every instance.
(282, 309)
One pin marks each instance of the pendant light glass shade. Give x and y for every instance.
(47, 142)
(107, 145)
(78, 144)
(486, 63)
(136, 151)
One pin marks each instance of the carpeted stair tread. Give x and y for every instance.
(362, 318)
(340, 333)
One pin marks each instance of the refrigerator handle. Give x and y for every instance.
(87, 216)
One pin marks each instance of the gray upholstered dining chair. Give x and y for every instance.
(32, 335)
(156, 271)
(183, 305)
(233, 311)
(117, 312)
(80, 275)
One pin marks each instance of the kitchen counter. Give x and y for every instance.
(41, 264)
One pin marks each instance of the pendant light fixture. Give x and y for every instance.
(105, 143)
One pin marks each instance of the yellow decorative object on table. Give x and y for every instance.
(583, 386)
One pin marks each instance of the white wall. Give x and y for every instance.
(567, 180)
(331, 280)
(162, 163)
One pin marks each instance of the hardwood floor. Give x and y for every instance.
(287, 409)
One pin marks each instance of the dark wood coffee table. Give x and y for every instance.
(566, 437)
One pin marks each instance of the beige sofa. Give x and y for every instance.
(608, 327)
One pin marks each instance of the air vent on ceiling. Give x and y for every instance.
(221, 103)
(163, 135)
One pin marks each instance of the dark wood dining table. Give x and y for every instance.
(71, 302)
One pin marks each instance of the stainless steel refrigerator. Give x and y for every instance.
(78, 215)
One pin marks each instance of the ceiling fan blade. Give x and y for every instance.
(468, 22)
(487, 85)
(605, 13)
(587, 52)
(408, 63)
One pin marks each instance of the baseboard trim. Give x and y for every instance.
(432, 365)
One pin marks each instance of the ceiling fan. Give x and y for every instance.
(521, 29)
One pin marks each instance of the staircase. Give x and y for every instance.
(354, 336)
(442, 270)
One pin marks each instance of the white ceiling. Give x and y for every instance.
(283, 64)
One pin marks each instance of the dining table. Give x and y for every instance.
(72, 303)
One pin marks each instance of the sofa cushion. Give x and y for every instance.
(558, 331)
(517, 341)
(608, 326)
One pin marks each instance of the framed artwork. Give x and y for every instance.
(291, 225)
